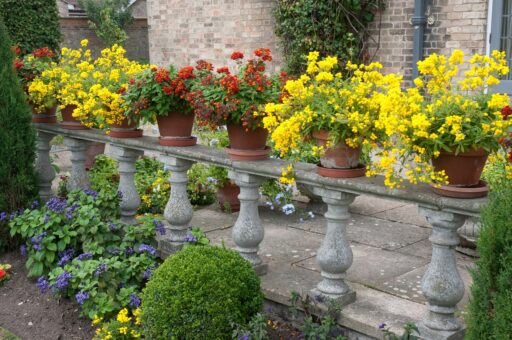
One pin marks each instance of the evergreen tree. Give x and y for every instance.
(18, 184)
(490, 308)
(32, 24)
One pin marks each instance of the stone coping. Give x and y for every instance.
(420, 194)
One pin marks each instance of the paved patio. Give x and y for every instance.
(391, 251)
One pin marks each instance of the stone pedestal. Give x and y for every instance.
(130, 197)
(334, 255)
(44, 168)
(248, 231)
(178, 211)
(78, 178)
(442, 285)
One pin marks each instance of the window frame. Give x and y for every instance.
(505, 86)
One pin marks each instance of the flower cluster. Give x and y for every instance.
(219, 97)
(125, 326)
(4, 275)
(441, 115)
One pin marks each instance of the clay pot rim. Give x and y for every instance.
(249, 154)
(475, 152)
(480, 190)
(177, 141)
(360, 171)
(136, 133)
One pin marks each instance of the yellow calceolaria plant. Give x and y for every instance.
(346, 106)
(439, 114)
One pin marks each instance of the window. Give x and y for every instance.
(501, 37)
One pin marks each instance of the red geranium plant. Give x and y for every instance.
(220, 97)
(32, 65)
(158, 92)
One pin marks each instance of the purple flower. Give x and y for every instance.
(134, 300)
(190, 238)
(147, 248)
(278, 198)
(100, 269)
(34, 205)
(90, 192)
(37, 247)
(128, 251)
(71, 209)
(318, 297)
(159, 227)
(382, 326)
(84, 256)
(46, 218)
(148, 272)
(56, 204)
(65, 256)
(112, 227)
(244, 337)
(42, 284)
(3, 216)
(13, 215)
(62, 280)
(81, 297)
(23, 250)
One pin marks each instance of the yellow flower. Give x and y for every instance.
(84, 42)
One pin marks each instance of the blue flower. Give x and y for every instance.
(23, 250)
(128, 251)
(91, 193)
(81, 297)
(3, 216)
(56, 204)
(190, 238)
(148, 272)
(159, 227)
(62, 280)
(134, 300)
(288, 209)
(278, 198)
(46, 218)
(65, 256)
(100, 269)
(382, 326)
(84, 256)
(244, 337)
(270, 205)
(69, 213)
(112, 227)
(147, 248)
(42, 284)
(34, 205)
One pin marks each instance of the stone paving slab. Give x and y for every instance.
(407, 214)
(369, 205)
(211, 218)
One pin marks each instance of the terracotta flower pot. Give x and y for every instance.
(47, 116)
(125, 130)
(93, 150)
(227, 196)
(70, 122)
(463, 171)
(340, 160)
(247, 145)
(176, 129)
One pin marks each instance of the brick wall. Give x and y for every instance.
(182, 31)
(75, 29)
(458, 24)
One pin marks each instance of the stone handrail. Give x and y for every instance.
(441, 284)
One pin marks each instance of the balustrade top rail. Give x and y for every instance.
(304, 173)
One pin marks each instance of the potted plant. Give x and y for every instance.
(235, 100)
(41, 97)
(330, 114)
(445, 130)
(159, 94)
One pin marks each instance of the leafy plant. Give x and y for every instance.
(201, 185)
(31, 24)
(256, 329)
(490, 306)
(332, 27)
(108, 18)
(199, 293)
(196, 237)
(125, 326)
(411, 332)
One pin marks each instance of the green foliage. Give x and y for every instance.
(31, 24)
(108, 18)
(256, 329)
(490, 307)
(196, 237)
(80, 222)
(18, 185)
(201, 186)
(199, 293)
(411, 332)
(332, 27)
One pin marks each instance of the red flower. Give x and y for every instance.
(167, 90)
(2, 273)
(506, 111)
(204, 65)
(16, 49)
(18, 63)
(263, 53)
(510, 156)
(162, 75)
(186, 72)
(224, 69)
(237, 55)
(43, 52)
(122, 90)
(132, 81)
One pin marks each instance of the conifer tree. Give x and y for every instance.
(18, 184)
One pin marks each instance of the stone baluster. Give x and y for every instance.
(334, 255)
(44, 168)
(130, 197)
(248, 231)
(79, 178)
(442, 285)
(178, 211)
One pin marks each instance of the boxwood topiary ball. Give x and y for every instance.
(198, 293)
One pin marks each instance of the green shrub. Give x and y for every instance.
(200, 293)
(18, 185)
(32, 23)
(490, 307)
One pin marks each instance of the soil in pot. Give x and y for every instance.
(227, 196)
(247, 145)
(176, 129)
(70, 122)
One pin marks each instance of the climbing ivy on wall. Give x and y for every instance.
(32, 24)
(332, 27)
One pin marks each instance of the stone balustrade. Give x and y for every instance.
(441, 284)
